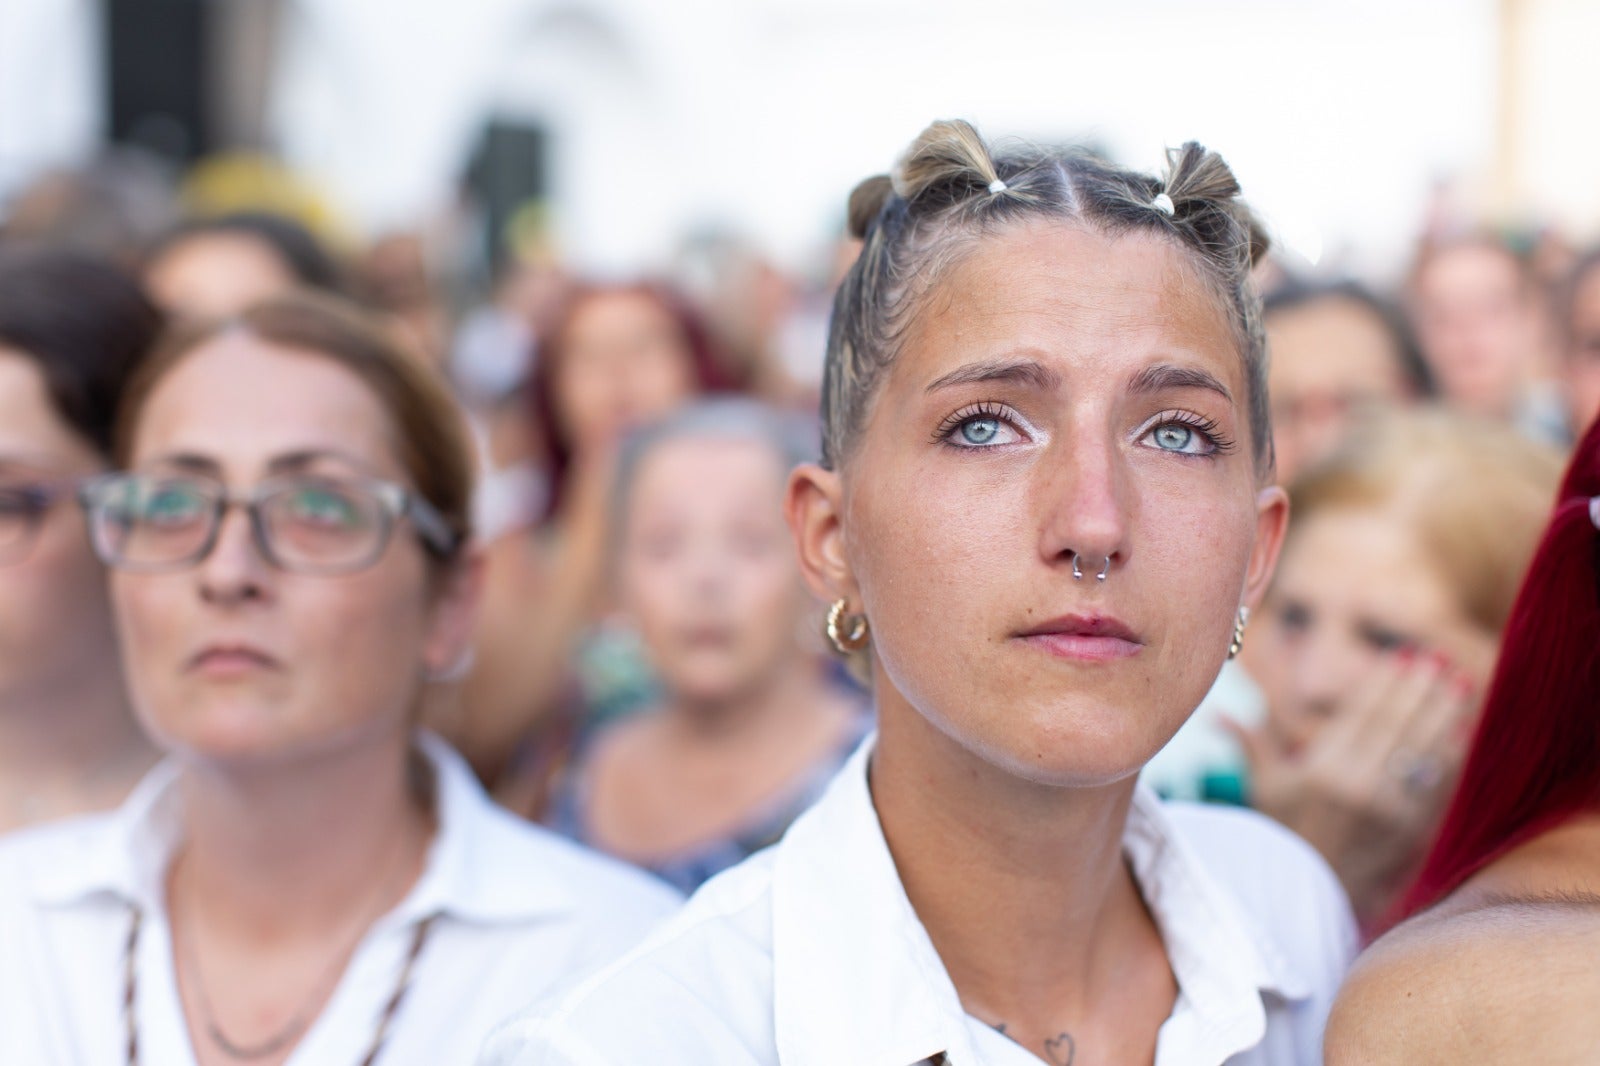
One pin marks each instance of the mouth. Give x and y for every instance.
(230, 660)
(1084, 638)
(712, 637)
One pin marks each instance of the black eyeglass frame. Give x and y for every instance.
(396, 502)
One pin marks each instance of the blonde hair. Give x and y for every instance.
(950, 191)
(1474, 491)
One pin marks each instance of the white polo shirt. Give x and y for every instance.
(809, 954)
(517, 910)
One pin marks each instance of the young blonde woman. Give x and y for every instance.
(1044, 503)
(305, 879)
(1376, 642)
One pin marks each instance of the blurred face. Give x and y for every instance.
(623, 363)
(1354, 584)
(1331, 359)
(214, 275)
(1478, 326)
(708, 568)
(1062, 393)
(1583, 353)
(55, 622)
(232, 659)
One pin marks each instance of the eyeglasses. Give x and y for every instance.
(22, 511)
(153, 523)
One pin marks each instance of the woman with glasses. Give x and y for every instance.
(306, 879)
(71, 330)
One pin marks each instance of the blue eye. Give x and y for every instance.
(979, 431)
(1185, 433)
(979, 426)
(1173, 437)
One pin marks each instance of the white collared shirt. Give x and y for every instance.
(518, 909)
(809, 954)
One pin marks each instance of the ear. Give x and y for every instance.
(813, 504)
(453, 615)
(1272, 520)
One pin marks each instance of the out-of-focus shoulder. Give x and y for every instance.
(1508, 979)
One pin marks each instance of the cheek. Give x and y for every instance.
(659, 381)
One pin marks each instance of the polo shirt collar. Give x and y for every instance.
(482, 866)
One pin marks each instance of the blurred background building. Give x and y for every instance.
(628, 126)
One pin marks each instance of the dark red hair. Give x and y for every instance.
(1535, 760)
(709, 371)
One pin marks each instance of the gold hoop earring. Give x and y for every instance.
(1239, 623)
(845, 642)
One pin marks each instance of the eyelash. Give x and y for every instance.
(971, 413)
(1206, 427)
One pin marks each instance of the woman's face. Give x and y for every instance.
(233, 659)
(1355, 583)
(1479, 327)
(708, 569)
(1331, 360)
(623, 363)
(55, 622)
(1061, 393)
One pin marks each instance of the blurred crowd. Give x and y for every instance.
(647, 673)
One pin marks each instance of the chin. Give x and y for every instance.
(1076, 747)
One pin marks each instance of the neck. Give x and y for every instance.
(1022, 887)
(69, 750)
(755, 710)
(295, 847)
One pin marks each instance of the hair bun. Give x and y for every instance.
(949, 155)
(866, 202)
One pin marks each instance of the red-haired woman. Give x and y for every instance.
(617, 357)
(1498, 957)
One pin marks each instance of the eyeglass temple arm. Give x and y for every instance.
(431, 524)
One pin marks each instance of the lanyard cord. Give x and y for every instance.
(130, 988)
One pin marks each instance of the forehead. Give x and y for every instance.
(1469, 266)
(700, 471)
(1369, 561)
(242, 401)
(30, 427)
(1330, 343)
(1108, 304)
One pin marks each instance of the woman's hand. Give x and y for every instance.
(1366, 784)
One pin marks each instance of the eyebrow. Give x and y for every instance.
(1019, 371)
(1165, 376)
(286, 463)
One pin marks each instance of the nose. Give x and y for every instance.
(234, 570)
(1086, 497)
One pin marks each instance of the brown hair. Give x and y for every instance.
(430, 434)
(1476, 492)
(950, 191)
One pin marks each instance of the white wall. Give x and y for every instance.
(1338, 117)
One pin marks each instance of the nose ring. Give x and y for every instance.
(1077, 571)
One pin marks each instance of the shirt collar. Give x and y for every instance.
(484, 865)
(838, 907)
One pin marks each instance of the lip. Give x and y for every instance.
(1084, 638)
(230, 660)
